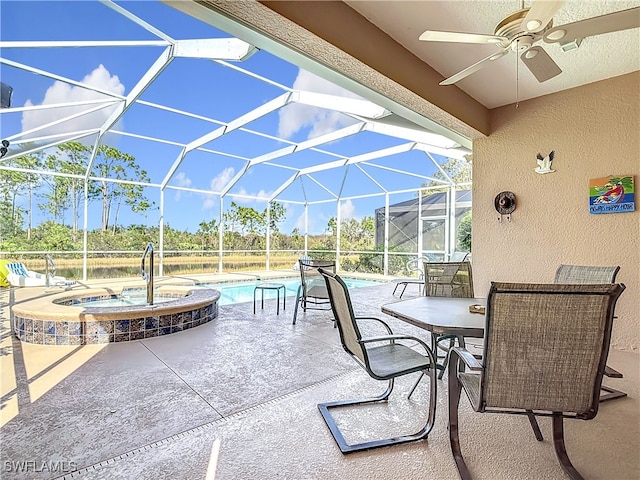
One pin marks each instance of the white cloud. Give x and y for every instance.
(294, 117)
(181, 180)
(217, 183)
(61, 92)
(242, 194)
(221, 180)
(299, 223)
(347, 209)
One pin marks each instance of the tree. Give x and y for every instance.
(244, 219)
(277, 214)
(110, 163)
(208, 233)
(459, 170)
(13, 184)
(52, 236)
(358, 235)
(463, 235)
(75, 161)
(66, 192)
(31, 182)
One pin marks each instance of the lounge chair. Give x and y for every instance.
(18, 276)
(414, 265)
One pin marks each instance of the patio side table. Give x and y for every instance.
(270, 286)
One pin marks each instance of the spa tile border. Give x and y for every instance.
(116, 324)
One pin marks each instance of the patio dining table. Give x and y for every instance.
(440, 316)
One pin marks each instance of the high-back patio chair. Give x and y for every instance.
(312, 293)
(521, 372)
(383, 357)
(447, 279)
(581, 274)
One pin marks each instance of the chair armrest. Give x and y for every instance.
(393, 338)
(467, 357)
(384, 324)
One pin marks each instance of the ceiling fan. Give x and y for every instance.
(519, 31)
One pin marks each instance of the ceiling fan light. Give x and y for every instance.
(572, 45)
(533, 25)
(556, 35)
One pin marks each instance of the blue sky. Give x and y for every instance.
(202, 88)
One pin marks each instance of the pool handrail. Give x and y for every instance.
(148, 277)
(49, 262)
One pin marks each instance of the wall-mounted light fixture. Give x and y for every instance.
(505, 204)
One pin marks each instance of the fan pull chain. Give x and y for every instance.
(517, 77)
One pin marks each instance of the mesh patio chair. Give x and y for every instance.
(460, 257)
(521, 372)
(581, 274)
(447, 279)
(312, 293)
(383, 357)
(414, 266)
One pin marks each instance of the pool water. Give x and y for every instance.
(239, 292)
(230, 293)
(121, 301)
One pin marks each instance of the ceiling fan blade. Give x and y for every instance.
(474, 68)
(540, 63)
(540, 14)
(456, 37)
(611, 22)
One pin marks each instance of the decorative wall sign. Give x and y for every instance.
(614, 194)
(544, 163)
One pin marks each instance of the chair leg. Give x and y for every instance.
(445, 362)
(612, 372)
(611, 395)
(455, 387)
(295, 310)
(415, 385)
(349, 448)
(438, 367)
(561, 452)
(534, 424)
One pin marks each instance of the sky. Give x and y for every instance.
(211, 94)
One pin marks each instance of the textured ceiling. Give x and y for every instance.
(505, 81)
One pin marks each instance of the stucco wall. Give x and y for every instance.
(595, 132)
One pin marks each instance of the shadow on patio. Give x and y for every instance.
(155, 408)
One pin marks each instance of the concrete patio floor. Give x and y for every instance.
(237, 397)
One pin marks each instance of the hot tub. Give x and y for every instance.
(56, 320)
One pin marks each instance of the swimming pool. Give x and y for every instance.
(239, 292)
